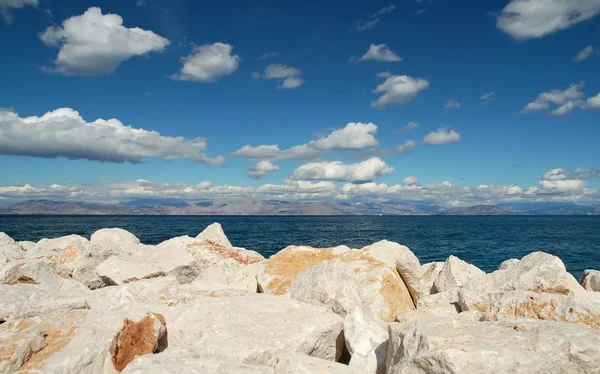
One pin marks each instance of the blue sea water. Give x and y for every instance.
(484, 241)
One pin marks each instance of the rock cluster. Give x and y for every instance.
(111, 304)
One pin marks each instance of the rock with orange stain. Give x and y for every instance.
(81, 341)
(214, 233)
(38, 272)
(10, 250)
(380, 285)
(459, 345)
(590, 280)
(536, 272)
(545, 306)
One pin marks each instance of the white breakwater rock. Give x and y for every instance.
(590, 280)
(200, 305)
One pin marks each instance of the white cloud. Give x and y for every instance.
(593, 102)
(385, 10)
(571, 189)
(380, 52)
(384, 74)
(566, 100)
(208, 63)
(268, 55)
(442, 136)
(354, 136)
(557, 174)
(64, 133)
(95, 43)
(364, 171)
(262, 169)
(406, 147)
(527, 19)
(398, 90)
(289, 77)
(256, 75)
(367, 25)
(487, 98)
(410, 180)
(451, 104)
(141, 3)
(409, 126)
(7, 6)
(584, 54)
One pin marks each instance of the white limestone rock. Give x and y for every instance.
(227, 274)
(255, 329)
(366, 341)
(430, 272)
(9, 249)
(28, 300)
(331, 284)
(115, 239)
(590, 280)
(445, 298)
(545, 306)
(440, 310)
(214, 233)
(85, 341)
(536, 272)
(18, 347)
(508, 263)
(458, 345)
(189, 362)
(304, 364)
(455, 273)
(37, 272)
(153, 263)
(380, 285)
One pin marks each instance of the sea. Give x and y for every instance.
(484, 241)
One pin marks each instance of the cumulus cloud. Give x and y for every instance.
(354, 136)
(527, 19)
(410, 181)
(487, 98)
(564, 101)
(208, 63)
(288, 77)
(64, 133)
(7, 7)
(571, 189)
(398, 90)
(95, 43)
(442, 136)
(452, 104)
(380, 52)
(364, 171)
(262, 169)
(584, 54)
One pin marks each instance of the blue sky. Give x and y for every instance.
(238, 73)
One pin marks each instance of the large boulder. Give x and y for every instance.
(227, 274)
(331, 284)
(255, 329)
(508, 263)
(536, 272)
(210, 247)
(9, 249)
(455, 273)
(459, 345)
(81, 341)
(154, 262)
(115, 239)
(304, 364)
(438, 310)
(430, 272)
(380, 284)
(30, 300)
(37, 272)
(366, 341)
(590, 280)
(545, 306)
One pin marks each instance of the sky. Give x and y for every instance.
(443, 101)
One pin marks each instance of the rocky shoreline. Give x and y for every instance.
(200, 305)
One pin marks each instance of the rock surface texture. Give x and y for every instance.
(111, 304)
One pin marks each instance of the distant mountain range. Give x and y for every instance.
(284, 208)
